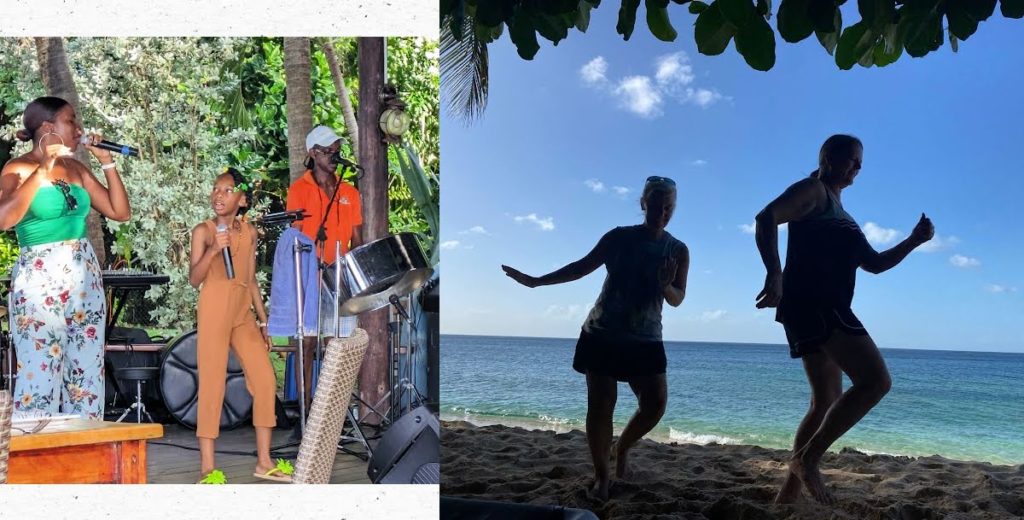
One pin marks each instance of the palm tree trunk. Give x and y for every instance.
(299, 102)
(373, 379)
(56, 75)
(351, 126)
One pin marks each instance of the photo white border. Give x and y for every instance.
(219, 18)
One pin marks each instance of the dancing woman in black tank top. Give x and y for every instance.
(813, 296)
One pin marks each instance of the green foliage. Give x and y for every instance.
(196, 105)
(886, 29)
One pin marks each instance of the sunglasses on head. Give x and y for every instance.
(665, 180)
(65, 189)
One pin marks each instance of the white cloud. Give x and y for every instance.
(595, 185)
(673, 69)
(572, 312)
(880, 236)
(448, 245)
(998, 289)
(620, 190)
(544, 223)
(964, 261)
(475, 230)
(938, 243)
(645, 95)
(717, 314)
(702, 97)
(638, 95)
(699, 162)
(593, 73)
(751, 228)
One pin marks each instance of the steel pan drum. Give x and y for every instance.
(372, 273)
(179, 385)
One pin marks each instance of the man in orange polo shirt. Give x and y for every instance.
(312, 192)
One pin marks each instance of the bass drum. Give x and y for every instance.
(179, 385)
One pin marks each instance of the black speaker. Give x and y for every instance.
(409, 452)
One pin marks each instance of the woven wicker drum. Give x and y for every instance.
(6, 408)
(338, 375)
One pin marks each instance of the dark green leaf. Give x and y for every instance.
(583, 16)
(627, 18)
(856, 41)
(980, 9)
(876, 13)
(712, 32)
(921, 29)
(658, 21)
(829, 40)
(793, 22)
(884, 54)
(1012, 8)
(822, 14)
(764, 8)
(523, 34)
(554, 7)
(737, 12)
(697, 7)
(962, 22)
(554, 28)
(458, 20)
(756, 43)
(487, 35)
(493, 12)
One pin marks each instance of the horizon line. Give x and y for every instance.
(734, 343)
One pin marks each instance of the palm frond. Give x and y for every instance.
(464, 72)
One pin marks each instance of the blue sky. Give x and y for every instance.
(568, 138)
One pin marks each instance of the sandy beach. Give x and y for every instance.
(718, 481)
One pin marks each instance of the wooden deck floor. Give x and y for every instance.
(176, 465)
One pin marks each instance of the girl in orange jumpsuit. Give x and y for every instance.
(226, 321)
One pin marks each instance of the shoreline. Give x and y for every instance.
(673, 480)
(684, 437)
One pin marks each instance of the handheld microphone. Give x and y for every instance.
(338, 159)
(122, 149)
(226, 253)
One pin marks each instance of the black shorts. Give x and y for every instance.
(807, 328)
(621, 359)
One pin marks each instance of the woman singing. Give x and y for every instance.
(58, 312)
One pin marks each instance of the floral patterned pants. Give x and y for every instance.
(58, 319)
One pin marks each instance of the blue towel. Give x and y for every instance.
(281, 321)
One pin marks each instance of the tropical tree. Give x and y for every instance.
(56, 77)
(886, 29)
(299, 99)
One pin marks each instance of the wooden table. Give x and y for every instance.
(79, 451)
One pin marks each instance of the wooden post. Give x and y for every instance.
(373, 378)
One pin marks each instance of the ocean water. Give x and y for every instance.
(960, 405)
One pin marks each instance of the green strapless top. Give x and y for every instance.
(49, 220)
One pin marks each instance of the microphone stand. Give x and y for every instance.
(321, 245)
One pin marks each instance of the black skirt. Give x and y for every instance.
(807, 328)
(621, 359)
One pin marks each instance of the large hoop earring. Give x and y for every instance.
(52, 133)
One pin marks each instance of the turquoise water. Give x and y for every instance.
(961, 405)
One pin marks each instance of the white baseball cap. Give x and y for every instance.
(321, 135)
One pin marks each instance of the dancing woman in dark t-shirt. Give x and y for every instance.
(621, 338)
(813, 296)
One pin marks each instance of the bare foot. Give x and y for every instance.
(263, 468)
(622, 468)
(599, 491)
(790, 491)
(810, 476)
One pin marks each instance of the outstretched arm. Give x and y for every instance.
(875, 262)
(570, 272)
(798, 201)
